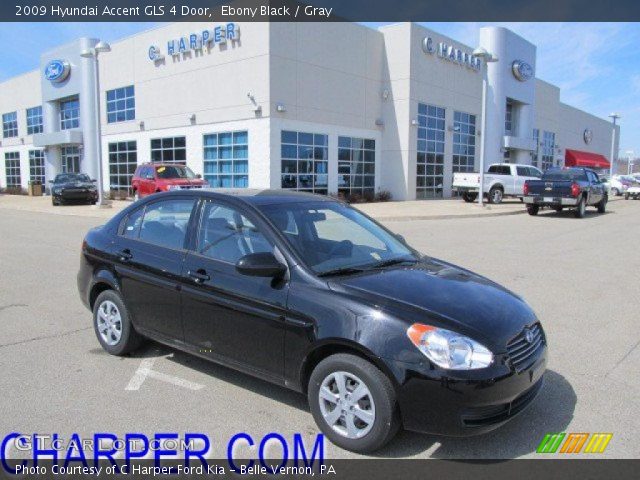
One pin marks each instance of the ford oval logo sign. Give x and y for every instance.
(57, 70)
(522, 70)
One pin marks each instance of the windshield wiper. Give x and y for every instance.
(393, 261)
(341, 271)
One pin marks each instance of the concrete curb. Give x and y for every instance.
(445, 217)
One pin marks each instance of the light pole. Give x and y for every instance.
(485, 58)
(629, 157)
(614, 117)
(93, 53)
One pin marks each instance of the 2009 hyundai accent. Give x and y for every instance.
(309, 293)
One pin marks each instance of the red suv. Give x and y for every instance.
(160, 177)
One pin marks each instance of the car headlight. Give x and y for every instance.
(449, 349)
(58, 191)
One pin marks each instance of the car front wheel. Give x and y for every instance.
(580, 208)
(112, 324)
(353, 403)
(602, 205)
(495, 195)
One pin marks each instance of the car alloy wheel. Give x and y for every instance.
(109, 322)
(347, 405)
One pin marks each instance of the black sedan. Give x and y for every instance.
(76, 187)
(309, 293)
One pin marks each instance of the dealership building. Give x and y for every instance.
(322, 107)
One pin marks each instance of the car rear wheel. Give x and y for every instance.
(533, 209)
(580, 208)
(615, 192)
(626, 196)
(495, 195)
(112, 324)
(602, 204)
(353, 403)
(558, 209)
(469, 197)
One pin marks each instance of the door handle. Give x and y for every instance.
(125, 255)
(199, 275)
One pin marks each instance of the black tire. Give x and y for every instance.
(387, 418)
(533, 209)
(129, 340)
(495, 195)
(602, 204)
(54, 202)
(580, 208)
(626, 196)
(469, 197)
(558, 209)
(615, 192)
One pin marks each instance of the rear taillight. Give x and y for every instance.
(526, 188)
(575, 189)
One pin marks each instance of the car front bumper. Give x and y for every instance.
(74, 195)
(550, 201)
(463, 403)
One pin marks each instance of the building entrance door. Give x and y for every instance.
(70, 159)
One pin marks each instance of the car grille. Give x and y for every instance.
(521, 351)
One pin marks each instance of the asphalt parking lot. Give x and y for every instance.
(580, 276)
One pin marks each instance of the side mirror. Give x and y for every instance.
(50, 181)
(198, 175)
(400, 237)
(263, 264)
(93, 180)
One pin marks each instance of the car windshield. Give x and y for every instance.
(174, 171)
(568, 175)
(71, 177)
(335, 239)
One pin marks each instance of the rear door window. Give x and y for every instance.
(165, 222)
(522, 171)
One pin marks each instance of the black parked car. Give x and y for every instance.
(311, 294)
(560, 188)
(77, 187)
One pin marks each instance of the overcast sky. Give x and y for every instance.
(596, 65)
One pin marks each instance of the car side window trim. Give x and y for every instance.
(186, 241)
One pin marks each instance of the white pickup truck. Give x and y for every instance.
(500, 180)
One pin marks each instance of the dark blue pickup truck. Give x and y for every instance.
(560, 188)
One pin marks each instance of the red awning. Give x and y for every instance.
(576, 158)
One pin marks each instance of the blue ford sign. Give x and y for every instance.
(57, 70)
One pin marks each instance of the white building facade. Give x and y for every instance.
(323, 107)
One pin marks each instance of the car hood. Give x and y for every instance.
(183, 181)
(447, 296)
(74, 185)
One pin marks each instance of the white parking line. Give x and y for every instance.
(144, 371)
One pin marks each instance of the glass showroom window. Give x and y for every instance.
(536, 152)
(464, 142)
(123, 160)
(34, 120)
(36, 166)
(304, 161)
(548, 148)
(12, 169)
(70, 159)
(169, 150)
(121, 104)
(10, 124)
(430, 156)
(356, 165)
(226, 159)
(69, 114)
